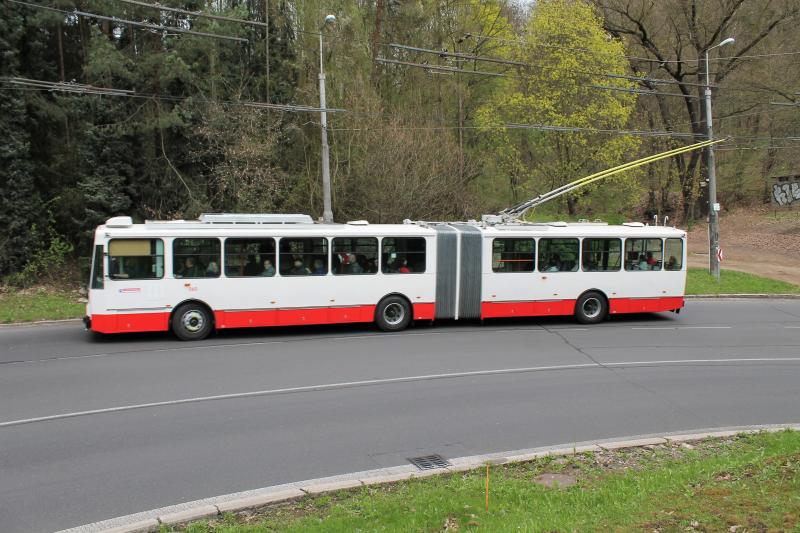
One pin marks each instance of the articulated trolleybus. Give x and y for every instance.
(232, 271)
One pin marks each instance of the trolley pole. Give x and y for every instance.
(713, 206)
(327, 211)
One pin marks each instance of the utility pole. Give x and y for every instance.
(327, 211)
(713, 206)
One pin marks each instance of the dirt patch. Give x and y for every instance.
(762, 241)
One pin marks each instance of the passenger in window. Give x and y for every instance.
(298, 269)
(251, 268)
(672, 263)
(554, 264)
(404, 268)
(371, 266)
(651, 261)
(643, 264)
(269, 270)
(319, 268)
(190, 269)
(353, 267)
(212, 270)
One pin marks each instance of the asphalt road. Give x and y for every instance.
(97, 427)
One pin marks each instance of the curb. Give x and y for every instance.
(149, 521)
(39, 323)
(742, 296)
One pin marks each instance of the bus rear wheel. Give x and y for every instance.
(393, 314)
(591, 308)
(191, 322)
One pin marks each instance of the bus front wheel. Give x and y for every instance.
(591, 308)
(393, 314)
(191, 322)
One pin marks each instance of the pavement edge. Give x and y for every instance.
(153, 520)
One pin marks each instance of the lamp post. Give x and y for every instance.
(327, 212)
(713, 206)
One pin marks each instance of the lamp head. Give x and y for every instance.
(330, 19)
(729, 40)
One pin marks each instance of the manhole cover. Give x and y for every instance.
(555, 480)
(429, 462)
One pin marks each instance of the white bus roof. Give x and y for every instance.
(221, 225)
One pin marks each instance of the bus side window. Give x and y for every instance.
(97, 275)
(403, 255)
(135, 258)
(673, 251)
(558, 255)
(249, 257)
(643, 254)
(196, 258)
(513, 255)
(356, 255)
(304, 257)
(601, 255)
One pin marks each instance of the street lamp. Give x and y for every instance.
(327, 212)
(713, 212)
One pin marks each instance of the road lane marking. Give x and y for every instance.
(792, 327)
(682, 327)
(389, 381)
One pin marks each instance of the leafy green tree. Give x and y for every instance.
(558, 86)
(20, 202)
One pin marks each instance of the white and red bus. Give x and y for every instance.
(231, 271)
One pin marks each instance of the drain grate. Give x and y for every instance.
(429, 462)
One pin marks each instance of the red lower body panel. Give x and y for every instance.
(138, 322)
(130, 322)
(424, 311)
(567, 307)
(645, 305)
(507, 309)
(294, 317)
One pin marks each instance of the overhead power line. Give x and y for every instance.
(440, 68)
(522, 42)
(132, 22)
(78, 88)
(437, 68)
(194, 13)
(576, 129)
(474, 57)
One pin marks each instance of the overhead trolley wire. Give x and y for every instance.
(132, 22)
(78, 88)
(522, 42)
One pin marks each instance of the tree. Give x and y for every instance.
(558, 86)
(20, 202)
(673, 35)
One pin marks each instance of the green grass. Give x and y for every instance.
(731, 282)
(751, 481)
(41, 304)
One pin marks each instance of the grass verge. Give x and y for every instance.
(744, 483)
(29, 305)
(699, 281)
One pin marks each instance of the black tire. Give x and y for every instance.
(393, 314)
(591, 308)
(191, 322)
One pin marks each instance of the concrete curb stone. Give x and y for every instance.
(188, 515)
(240, 504)
(151, 520)
(635, 443)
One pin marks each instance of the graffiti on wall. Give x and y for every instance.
(785, 193)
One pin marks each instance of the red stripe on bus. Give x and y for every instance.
(567, 307)
(645, 305)
(526, 308)
(424, 311)
(139, 322)
(130, 322)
